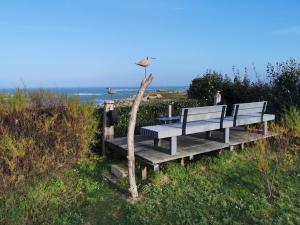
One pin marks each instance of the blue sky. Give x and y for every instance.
(72, 43)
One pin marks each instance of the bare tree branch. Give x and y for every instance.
(130, 135)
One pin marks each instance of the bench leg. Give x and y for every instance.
(226, 135)
(173, 145)
(157, 142)
(265, 128)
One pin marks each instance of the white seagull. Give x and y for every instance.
(145, 63)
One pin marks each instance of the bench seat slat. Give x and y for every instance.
(160, 131)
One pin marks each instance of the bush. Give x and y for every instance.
(291, 120)
(148, 114)
(206, 86)
(281, 89)
(40, 132)
(285, 83)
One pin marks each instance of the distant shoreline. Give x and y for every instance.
(98, 95)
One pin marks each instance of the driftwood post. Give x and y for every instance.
(108, 131)
(130, 135)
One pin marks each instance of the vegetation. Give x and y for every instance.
(48, 174)
(219, 188)
(284, 81)
(222, 188)
(281, 89)
(172, 95)
(291, 121)
(40, 132)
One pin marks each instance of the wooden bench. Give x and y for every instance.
(193, 120)
(250, 113)
(206, 119)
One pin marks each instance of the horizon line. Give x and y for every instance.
(1, 88)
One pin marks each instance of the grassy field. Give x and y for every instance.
(224, 188)
(171, 95)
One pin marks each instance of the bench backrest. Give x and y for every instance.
(249, 108)
(253, 108)
(202, 113)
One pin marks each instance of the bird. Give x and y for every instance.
(110, 91)
(145, 63)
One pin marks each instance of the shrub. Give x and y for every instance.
(40, 132)
(148, 113)
(281, 89)
(263, 158)
(291, 120)
(279, 154)
(206, 86)
(233, 91)
(285, 83)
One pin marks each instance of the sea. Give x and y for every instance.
(98, 95)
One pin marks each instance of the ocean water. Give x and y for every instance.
(98, 95)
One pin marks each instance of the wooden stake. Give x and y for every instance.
(108, 131)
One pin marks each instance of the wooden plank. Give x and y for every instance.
(254, 111)
(202, 113)
(187, 146)
(161, 131)
(248, 108)
(251, 105)
(204, 109)
(196, 117)
(249, 119)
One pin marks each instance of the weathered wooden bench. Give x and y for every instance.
(206, 119)
(250, 113)
(193, 120)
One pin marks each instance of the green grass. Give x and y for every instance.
(65, 198)
(223, 189)
(172, 95)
